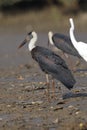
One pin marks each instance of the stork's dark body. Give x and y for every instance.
(64, 43)
(54, 65)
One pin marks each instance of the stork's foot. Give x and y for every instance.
(47, 91)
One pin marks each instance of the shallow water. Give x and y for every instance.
(11, 56)
(23, 103)
(9, 53)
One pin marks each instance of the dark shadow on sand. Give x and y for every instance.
(79, 70)
(74, 95)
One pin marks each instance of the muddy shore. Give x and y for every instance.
(23, 102)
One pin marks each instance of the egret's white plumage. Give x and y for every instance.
(80, 46)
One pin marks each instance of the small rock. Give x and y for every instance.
(1, 119)
(51, 107)
(37, 102)
(77, 112)
(71, 106)
(55, 121)
(76, 91)
(58, 108)
(83, 126)
(61, 102)
(20, 77)
(8, 105)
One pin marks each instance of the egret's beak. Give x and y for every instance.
(22, 44)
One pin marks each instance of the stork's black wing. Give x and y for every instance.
(64, 43)
(62, 38)
(52, 64)
(49, 54)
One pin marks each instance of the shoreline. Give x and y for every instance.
(42, 21)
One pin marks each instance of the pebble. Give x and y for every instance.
(8, 105)
(58, 108)
(20, 77)
(55, 121)
(77, 112)
(70, 106)
(1, 119)
(61, 102)
(37, 102)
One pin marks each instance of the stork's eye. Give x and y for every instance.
(29, 33)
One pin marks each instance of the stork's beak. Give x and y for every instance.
(22, 44)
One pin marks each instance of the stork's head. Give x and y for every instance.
(50, 35)
(71, 23)
(29, 36)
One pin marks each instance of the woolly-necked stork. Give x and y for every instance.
(49, 62)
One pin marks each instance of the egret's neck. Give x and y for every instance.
(32, 42)
(50, 35)
(72, 37)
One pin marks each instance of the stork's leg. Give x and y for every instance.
(53, 88)
(48, 85)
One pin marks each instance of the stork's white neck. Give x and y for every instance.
(50, 35)
(32, 42)
(72, 37)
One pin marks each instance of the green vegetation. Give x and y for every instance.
(8, 2)
(67, 3)
(42, 15)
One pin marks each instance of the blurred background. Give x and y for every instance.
(42, 15)
(17, 17)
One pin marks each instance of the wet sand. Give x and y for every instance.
(24, 104)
